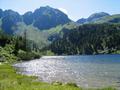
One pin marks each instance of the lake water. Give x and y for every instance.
(85, 71)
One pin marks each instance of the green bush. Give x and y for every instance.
(6, 55)
(71, 84)
(47, 53)
(36, 55)
(22, 55)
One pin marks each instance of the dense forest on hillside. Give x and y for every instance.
(89, 39)
(83, 39)
(15, 48)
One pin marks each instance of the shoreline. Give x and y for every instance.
(62, 75)
(54, 83)
(15, 78)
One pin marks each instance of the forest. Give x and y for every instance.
(89, 39)
(16, 48)
(85, 39)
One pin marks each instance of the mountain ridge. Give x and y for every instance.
(42, 18)
(93, 17)
(99, 18)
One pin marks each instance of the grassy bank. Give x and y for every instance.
(9, 80)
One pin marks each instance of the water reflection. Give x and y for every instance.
(86, 71)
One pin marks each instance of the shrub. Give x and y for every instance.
(22, 55)
(7, 56)
(71, 84)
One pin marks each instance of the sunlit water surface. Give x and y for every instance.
(85, 71)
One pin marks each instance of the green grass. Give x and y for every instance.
(9, 80)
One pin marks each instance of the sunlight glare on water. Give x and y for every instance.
(86, 71)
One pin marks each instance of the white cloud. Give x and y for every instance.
(63, 10)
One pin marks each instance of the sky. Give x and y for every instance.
(75, 9)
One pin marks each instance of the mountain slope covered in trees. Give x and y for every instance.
(45, 37)
(89, 39)
(47, 26)
(15, 48)
(42, 26)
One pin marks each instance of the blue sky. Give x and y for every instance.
(75, 9)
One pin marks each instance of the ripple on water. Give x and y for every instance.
(86, 71)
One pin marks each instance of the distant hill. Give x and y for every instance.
(92, 18)
(42, 18)
(9, 19)
(47, 17)
(99, 18)
(109, 19)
